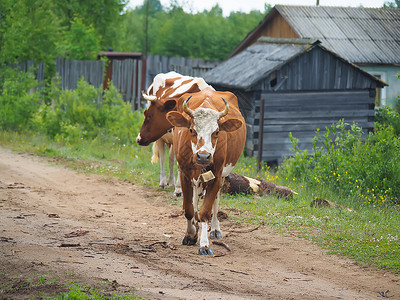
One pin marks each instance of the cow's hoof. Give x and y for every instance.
(205, 251)
(187, 241)
(178, 194)
(215, 234)
(163, 186)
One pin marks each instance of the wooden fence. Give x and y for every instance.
(127, 78)
(37, 69)
(71, 71)
(127, 75)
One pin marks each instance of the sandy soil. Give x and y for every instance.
(77, 227)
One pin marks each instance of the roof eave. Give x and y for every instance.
(253, 33)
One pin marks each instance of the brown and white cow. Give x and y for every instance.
(209, 135)
(162, 96)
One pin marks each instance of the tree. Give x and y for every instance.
(174, 32)
(80, 42)
(103, 15)
(392, 4)
(29, 30)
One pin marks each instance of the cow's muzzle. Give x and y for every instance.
(203, 158)
(141, 141)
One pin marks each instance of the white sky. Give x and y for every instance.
(248, 5)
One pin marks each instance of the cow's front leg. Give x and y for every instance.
(192, 228)
(215, 232)
(204, 242)
(205, 215)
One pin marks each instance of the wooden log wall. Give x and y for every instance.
(302, 113)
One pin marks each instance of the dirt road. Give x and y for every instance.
(77, 227)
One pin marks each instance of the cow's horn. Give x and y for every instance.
(186, 109)
(226, 110)
(148, 97)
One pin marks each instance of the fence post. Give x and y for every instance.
(260, 135)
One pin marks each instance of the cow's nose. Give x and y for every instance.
(203, 158)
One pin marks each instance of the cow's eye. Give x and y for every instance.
(216, 133)
(191, 131)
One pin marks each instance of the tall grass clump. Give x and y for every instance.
(363, 169)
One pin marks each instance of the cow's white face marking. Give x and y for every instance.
(205, 123)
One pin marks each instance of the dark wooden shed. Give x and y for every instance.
(304, 86)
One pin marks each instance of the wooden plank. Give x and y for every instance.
(320, 114)
(314, 100)
(328, 106)
(136, 73)
(305, 127)
(139, 83)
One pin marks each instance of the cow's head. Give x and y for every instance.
(155, 123)
(204, 126)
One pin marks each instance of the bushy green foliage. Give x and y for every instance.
(87, 113)
(363, 168)
(81, 41)
(390, 116)
(18, 99)
(29, 30)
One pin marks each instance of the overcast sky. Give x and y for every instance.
(248, 5)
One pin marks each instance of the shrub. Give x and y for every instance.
(389, 116)
(359, 167)
(88, 113)
(18, 99)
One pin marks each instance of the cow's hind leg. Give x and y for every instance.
(159, 154)
(178, 187)
(190, 238)
(171, 160)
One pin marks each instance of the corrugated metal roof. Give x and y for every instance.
(255, 62)
(360, 35)
(259, 60)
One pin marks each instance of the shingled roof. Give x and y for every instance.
(360, 35)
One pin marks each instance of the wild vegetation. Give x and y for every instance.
(359, 172)
(355, 169)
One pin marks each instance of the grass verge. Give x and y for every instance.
(368, 234)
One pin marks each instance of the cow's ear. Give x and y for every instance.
(230, 125)
(177, 119)
(169, 105)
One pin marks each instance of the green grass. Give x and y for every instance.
(78, 292)
(369, 234)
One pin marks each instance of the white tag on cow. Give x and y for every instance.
(207, 176)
